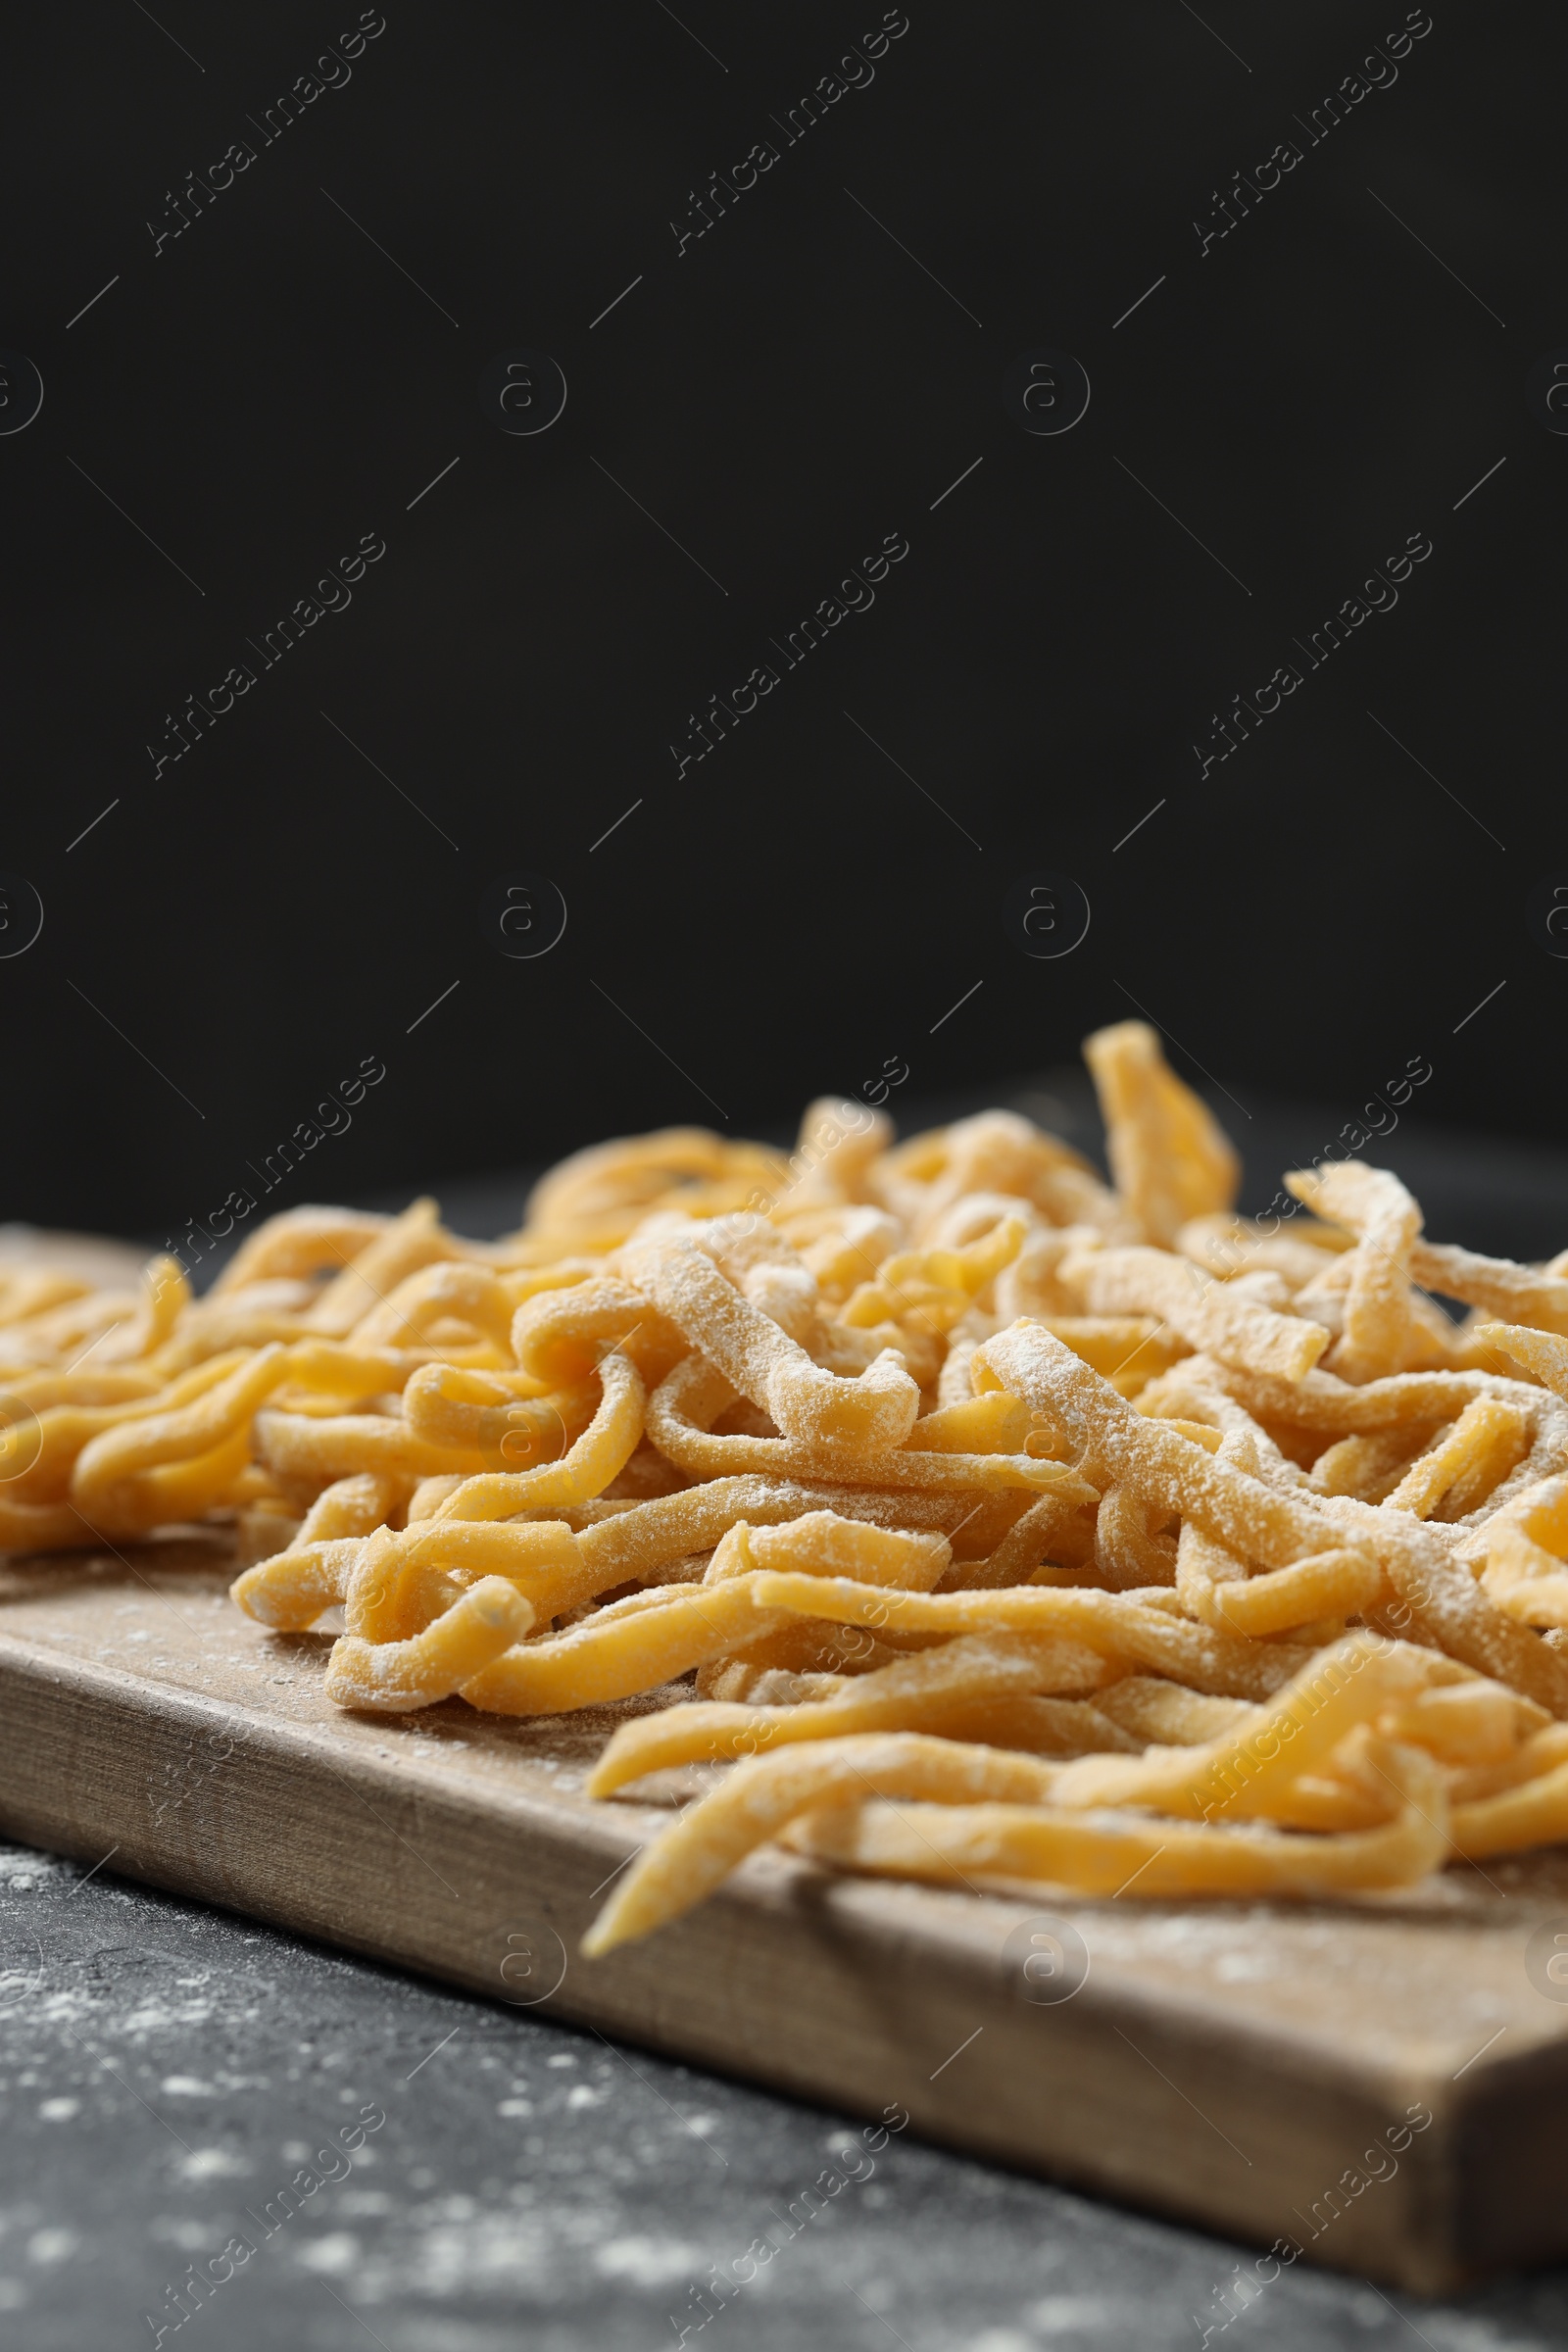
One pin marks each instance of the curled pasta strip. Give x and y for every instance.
(1514, 1294)
(636, 1644)
(1541, 1353)
(400, 1249)
(289, 1592)
(994, 1811)
(396, 1677)
(1168, 1715)
(1226, 1246)
(995, 1151)
(1117, 1444)
(212, 1328)
(484, 1413)
(583, 1471)
(970, 1425)
(313, 1450)
(642, 1538)
(936, 1286)
(698, 1850)
(1325, 1406)
(444, 1291)
(1532, 1813)
(597, 1198)
(1523, 1553)
(174, 1492)
(1050, 1528)
(1439, 1600)
(1367, 1467)
(331, 1370)
(298, 1243)
(111, 1461)
(64, 1428)
(1128, 1554)
(838, 1142)
(558, 1336)
(872, 1413)
(1215, 1586)
(115, 1326)
(404, 1579)
(1219, 1317)
(165, 1294)
(1128, 1350)
(695, 1390)
(353, 1507)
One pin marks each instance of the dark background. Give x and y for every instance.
(234, 936)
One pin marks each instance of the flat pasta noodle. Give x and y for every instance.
(1251, 1770)
(1220, 1317)
(1167, 1714)
(1005, 1845)
(1215, 1586)
(1499, 1287)
(317, 1450)
(925, 1692)
(822, 1543)
(1324, 1405)
(403, 1246)
(1169, 1159)
(622, 1650)
(641, 1540)
(1535, 1812)
(402, 1578)
(1489, 1439)
(1376, 1328)
(1119, 1625)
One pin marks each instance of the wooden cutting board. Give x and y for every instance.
(1240, 2066)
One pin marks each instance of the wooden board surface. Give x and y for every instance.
(1240, 2066)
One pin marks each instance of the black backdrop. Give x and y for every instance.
(286, 362)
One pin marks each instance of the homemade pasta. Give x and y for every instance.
(970, 1520)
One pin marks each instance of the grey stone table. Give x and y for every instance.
(174, 2077)
(168, 2072)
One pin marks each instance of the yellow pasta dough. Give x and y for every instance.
(965, 1518)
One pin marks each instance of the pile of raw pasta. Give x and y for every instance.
(1014, 1530)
